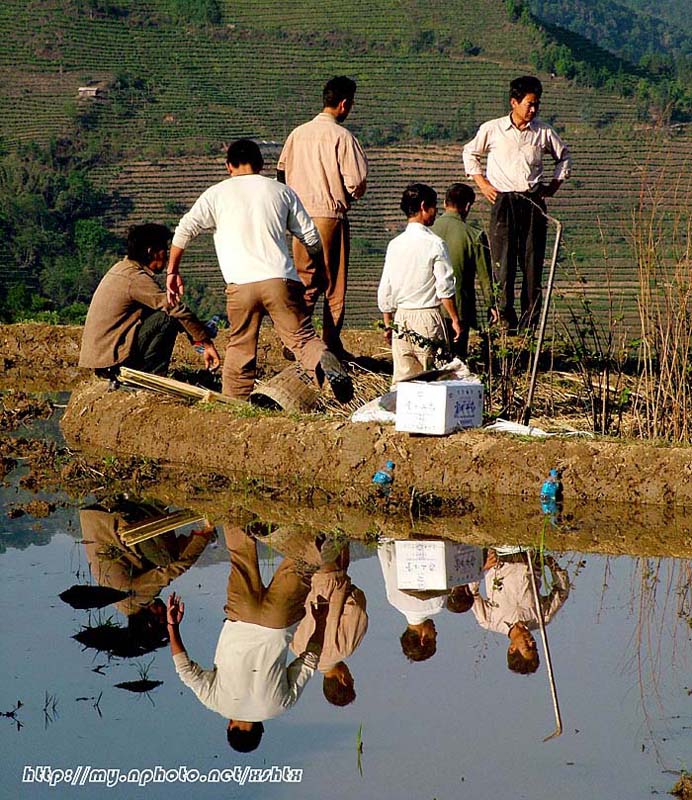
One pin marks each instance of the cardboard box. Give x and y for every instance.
(436, 565)
(440, 407)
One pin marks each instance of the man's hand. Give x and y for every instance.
(458, 328)
(174, 287)
(388, 318)
(493, 315)
(491, 561)
(486, 188)
(211, 356)
(176, 610)
(549, 189)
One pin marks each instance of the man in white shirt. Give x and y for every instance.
(250, 681)
(419, 639)
(326, 166)
(417, 278)
(514, 185)
(249, 215)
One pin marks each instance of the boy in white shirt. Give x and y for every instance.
(417, 278)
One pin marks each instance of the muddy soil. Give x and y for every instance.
(316, 470)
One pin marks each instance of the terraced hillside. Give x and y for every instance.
(427, 76)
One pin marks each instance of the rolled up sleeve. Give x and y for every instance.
(445, 285)
(354, 168)
(473, 151)
(563, 158)
(385, 294)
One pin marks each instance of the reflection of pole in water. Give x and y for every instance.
(546, 650)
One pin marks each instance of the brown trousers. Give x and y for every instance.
(278, 605)
(247, 304)
(336, 246)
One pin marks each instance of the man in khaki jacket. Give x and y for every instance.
(130, 322)
(325, 165)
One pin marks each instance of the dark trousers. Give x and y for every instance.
(153, 345)
(518, 230)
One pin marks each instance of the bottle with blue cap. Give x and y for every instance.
(551, 492)
(212, 328)
(384, 478)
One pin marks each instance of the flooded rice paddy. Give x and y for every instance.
(457, 724)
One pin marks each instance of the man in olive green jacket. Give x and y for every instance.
(130, 321)
(470, 256)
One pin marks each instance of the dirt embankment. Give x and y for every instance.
(316, 469)
(483, 483)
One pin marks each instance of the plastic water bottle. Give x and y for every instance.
(212, 328)
(551, 492)
(384, 478)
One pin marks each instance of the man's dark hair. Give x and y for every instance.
(245, 741)
(527, 84)
(414, 649)
(337, 89)
(460, 195)
(459, 600)
(524, 666)
(245, 151)
(415, 194)
(145, 240)
(336, 693)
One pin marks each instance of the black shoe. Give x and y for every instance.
(339, 380)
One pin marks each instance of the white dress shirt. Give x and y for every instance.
(414, 609)
(249, 216)
(417, 271)
(250, 680)
(515, 158)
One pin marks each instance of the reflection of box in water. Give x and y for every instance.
(440, 407)
(426, 565)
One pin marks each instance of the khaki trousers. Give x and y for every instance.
(247, 304)
(332, 280)
(278, 605)
(410, 359)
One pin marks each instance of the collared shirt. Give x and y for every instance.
(417, 272)
(250, 680)
(326, 166)
(347, 618)
(510, 598)
(249, 216)
(117, 308)
(515, 158)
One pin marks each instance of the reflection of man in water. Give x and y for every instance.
(419, 640)
(346, 625)
(250, 681)
(142, 570)
(510, 608)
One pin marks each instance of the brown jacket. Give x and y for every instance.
(347, 618)
(325, 165)
(118, 566)
(117, 309)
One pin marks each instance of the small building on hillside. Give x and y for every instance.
(92, 92)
